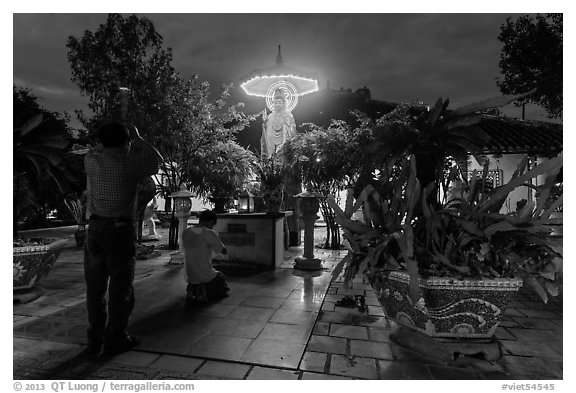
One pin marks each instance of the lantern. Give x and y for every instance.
(182, 206)
(308, 205)
(245, 202)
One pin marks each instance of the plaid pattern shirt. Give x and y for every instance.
(113, 180)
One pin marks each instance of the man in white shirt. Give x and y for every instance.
(204, 282)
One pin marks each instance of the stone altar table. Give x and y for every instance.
(254, 239)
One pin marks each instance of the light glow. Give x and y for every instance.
(289, 91)
(303, 85)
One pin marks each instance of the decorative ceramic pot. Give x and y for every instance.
(273, 196)
(451, 308)
(31, 263)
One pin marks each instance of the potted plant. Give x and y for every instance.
(270, 170)
(436, 266)
(220, 172)
(39, 145)
(77, 208)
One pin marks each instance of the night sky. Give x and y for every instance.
(399, 57)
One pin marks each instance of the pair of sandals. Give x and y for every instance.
(359, 301)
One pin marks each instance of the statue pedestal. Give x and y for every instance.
(303, 263)
(309, 205)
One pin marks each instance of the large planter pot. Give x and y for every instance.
(31, 263)
(273, 196)
(470, 309)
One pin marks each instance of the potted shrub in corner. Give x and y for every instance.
(39, 146)
(449, 273)
(435, 266)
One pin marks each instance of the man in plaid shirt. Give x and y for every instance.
(113, 171)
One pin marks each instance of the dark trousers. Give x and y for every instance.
(109, 262)
(214, 289)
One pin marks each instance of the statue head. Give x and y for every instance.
(279, 100)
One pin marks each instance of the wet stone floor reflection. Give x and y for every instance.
(280, 324)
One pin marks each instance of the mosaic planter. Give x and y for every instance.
(470, 309)
(31, 263)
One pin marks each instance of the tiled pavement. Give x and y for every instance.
(275, 325)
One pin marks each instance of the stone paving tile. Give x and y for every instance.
(120, 372)
(253, 313)
(224, 369)
(220, 347)
(136, 358)
(170, 343)
(534, 367)
(263, 301)
(274, 353)
(217, 310)
(241, 328)
(376, 310)
(535, 349)
(317, 376)
(353, 366)
(378, 334)
(371, 349)
(314, 361)
(263, 373)
(294, 317)
(443, 372)
(525, 334)
(327, 344)
(403, 370)
(177, 363)
(328, 306)
(321, 328)
(297, 334)
(503, 334)
(348, 331)
(535, 323)
(300, 305)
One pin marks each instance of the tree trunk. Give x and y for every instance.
(332, 229)
(173, 232)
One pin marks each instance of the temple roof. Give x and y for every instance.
(506, 135)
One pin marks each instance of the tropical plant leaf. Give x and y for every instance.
(341, 265)
(558, 202)
(435, 113)
(534, 285)
(551, 288)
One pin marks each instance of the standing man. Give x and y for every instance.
(113, 170)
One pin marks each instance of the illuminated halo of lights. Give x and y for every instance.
(289, 91)
(257, 85)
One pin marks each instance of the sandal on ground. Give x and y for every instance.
(360, 303)
(346, 301)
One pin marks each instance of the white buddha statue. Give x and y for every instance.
(277, 127)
